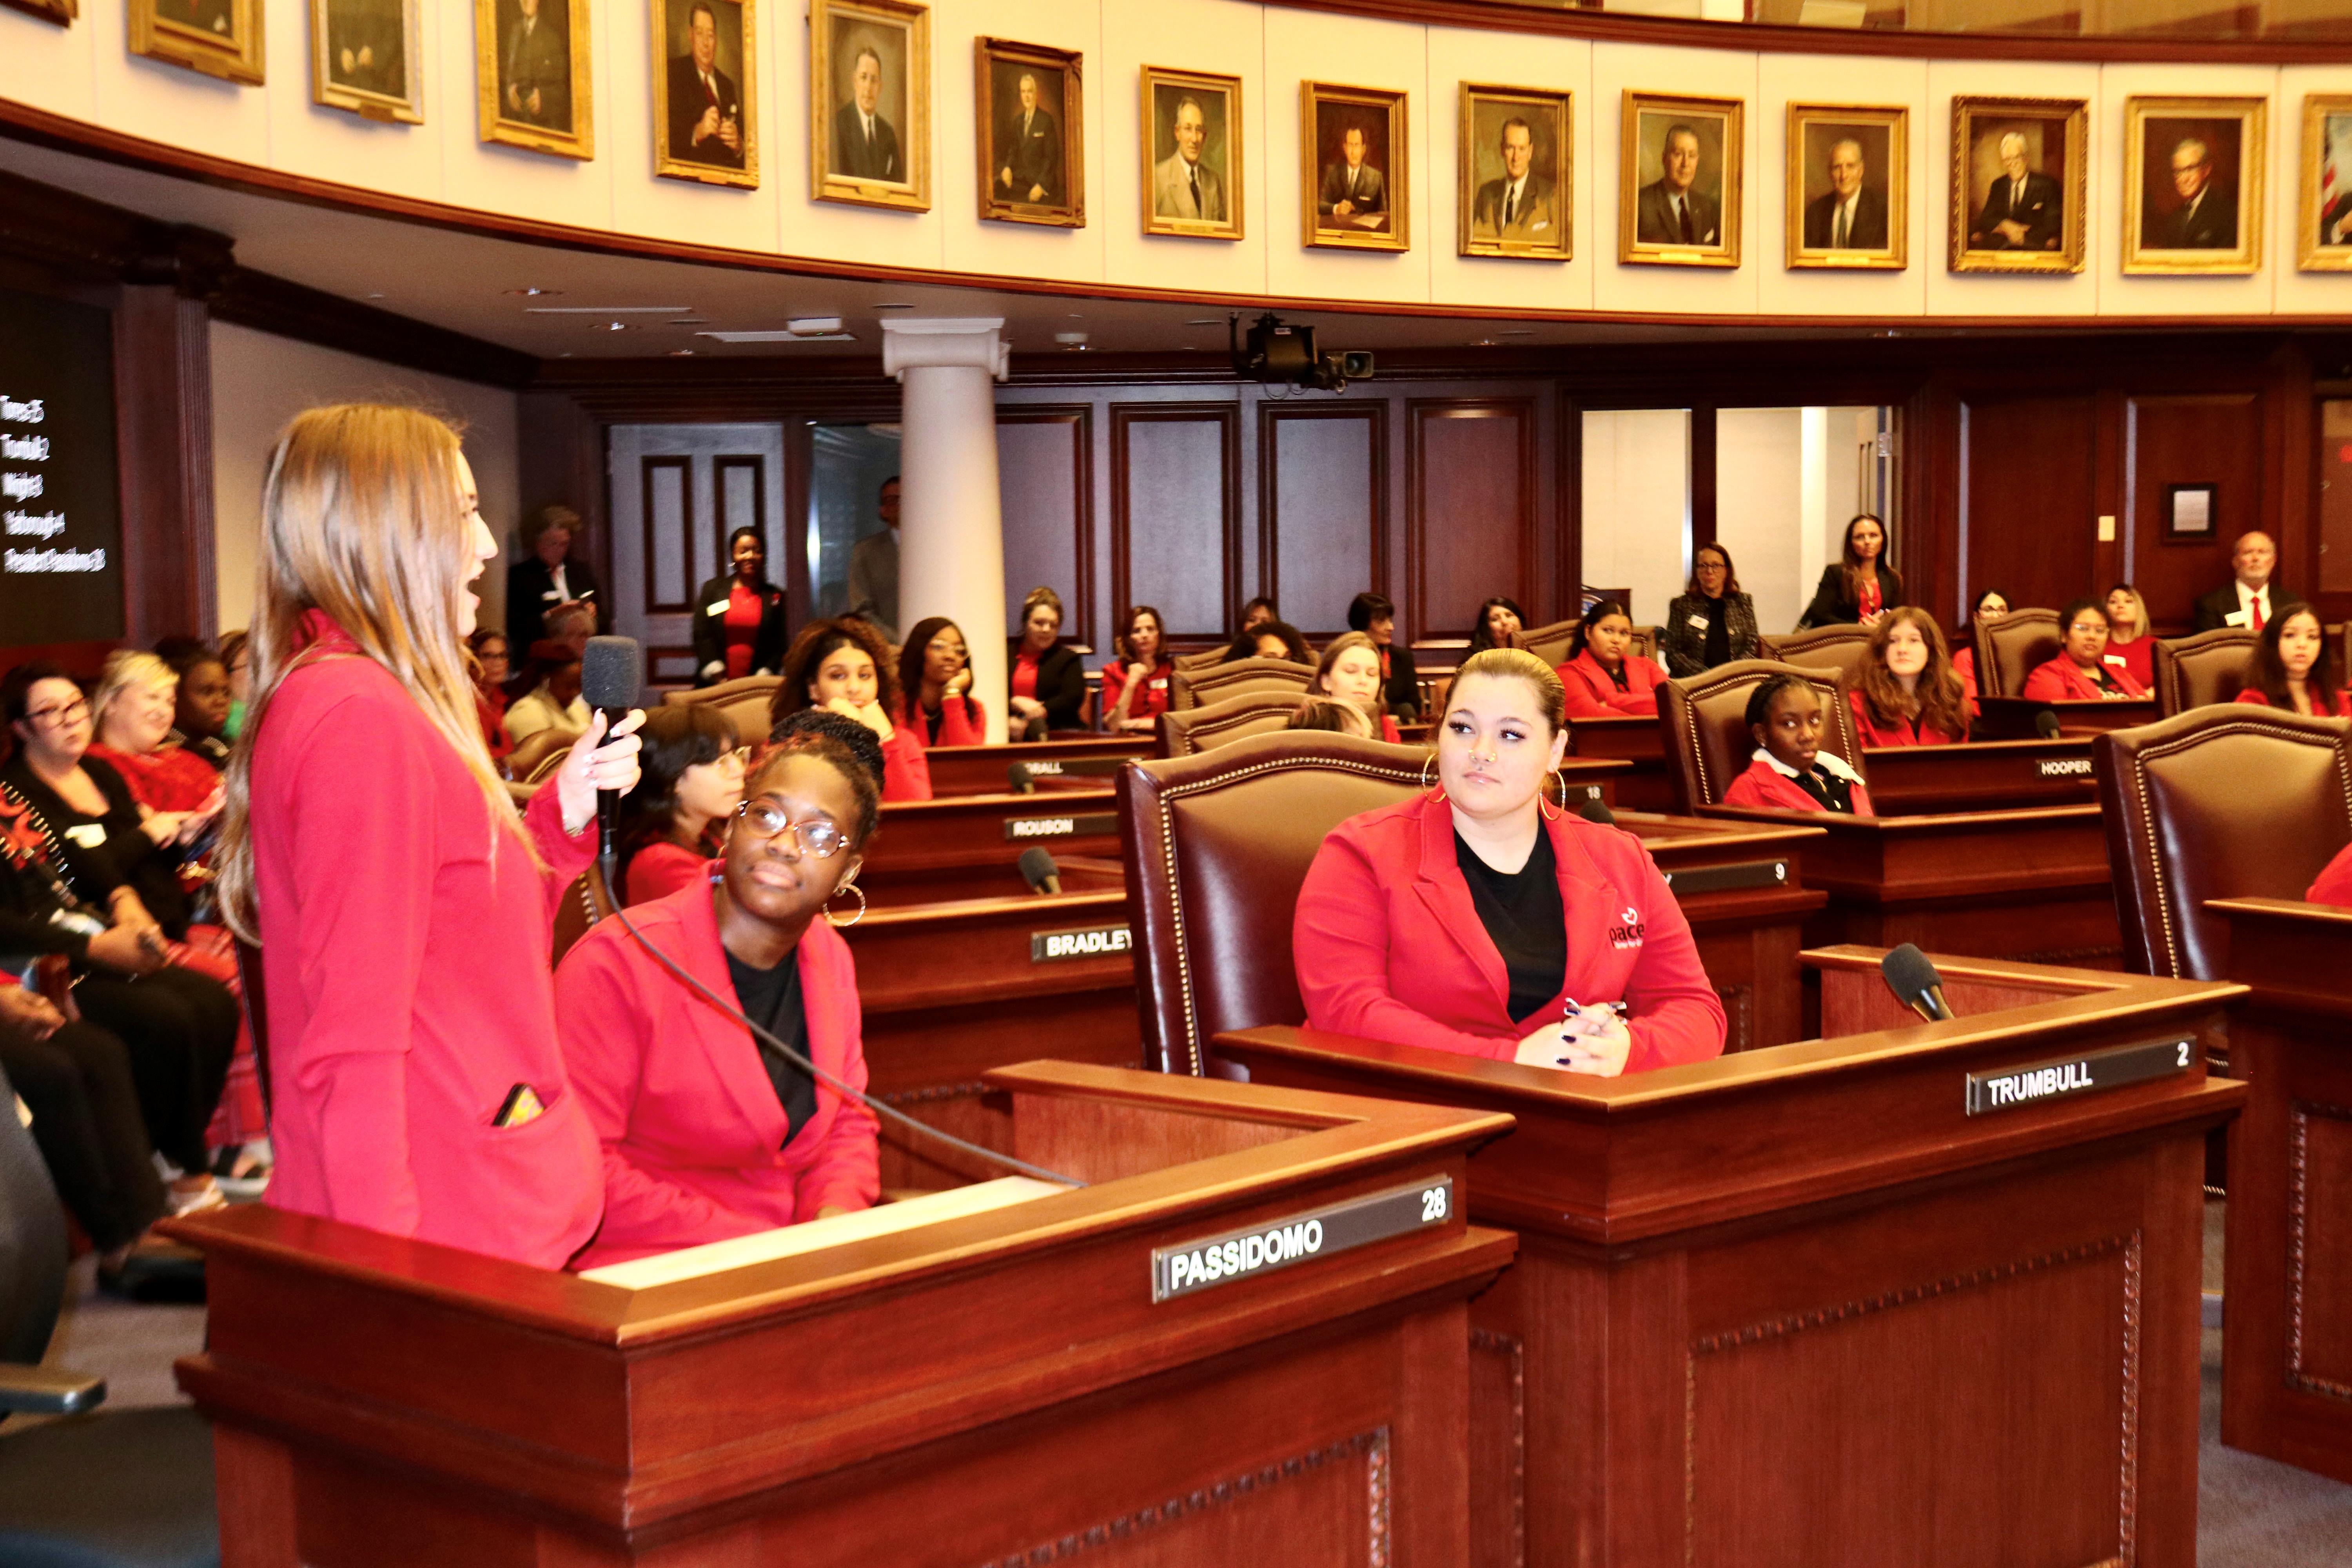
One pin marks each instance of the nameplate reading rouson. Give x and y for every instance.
(2012, 1088)
(1298, 1238)
(1083, 824)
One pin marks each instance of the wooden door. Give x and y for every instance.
(678, 492)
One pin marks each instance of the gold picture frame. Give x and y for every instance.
(2201, 218)
(520, 101)
(219, 37)
(1354, 196)
(2327, 121)
(1202, 152)
(1870, 144)
(876, 156)
(707, 111)
(1995, 226)
(1536, 221)
(367, 57)
(63, 13)
(1033, 155)
(1652, 215)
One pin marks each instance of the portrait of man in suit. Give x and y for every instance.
(1673, 208)
(2023, 208)
(865, 142)
(1352, 191)
(367, 46)
(1852, 214)
(706, 117)
(2194, 171)
(1352, 168)
(1029, 142)
(535, 64)
(1519, 206)
(1190, 152)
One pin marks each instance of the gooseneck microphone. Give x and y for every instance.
(1037, 869)
(1017, 779)
(612, 680)
(1915, 985)
(2045, 724)
(1593, 808)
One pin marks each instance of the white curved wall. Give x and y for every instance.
(86, 73)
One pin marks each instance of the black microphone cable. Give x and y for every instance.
(770, 1042)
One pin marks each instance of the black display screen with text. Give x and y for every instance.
(60, 516)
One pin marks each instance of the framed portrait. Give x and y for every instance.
(368, 57)
(706, 91)
(1517, 181)
(531, 75)
(2192, 512)
(1192, 154)
(870, 104)
(62, 12)
(1849, 187)
(1680, 180)
(1353, 183)
(2193, 184)
(2324, 214)
(1031, 135)
(2020, 171)
(218, 37)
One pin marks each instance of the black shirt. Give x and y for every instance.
(1719, 631)
(1833, 792)
(1521, 911)
(772, 999)
(111, 851)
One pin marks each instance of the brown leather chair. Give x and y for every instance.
(2197, 671)
(1206, 658)
(546, 766)
(1188, 731)
(1706, 735)
(1844, 648)
(744, 703)
(2219, 802)
(1236, 678)
(1550, 643)
(584, 903)
(1216, 847)
(527, 763)
(2009, 648)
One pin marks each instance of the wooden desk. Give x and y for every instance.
(1638, 740)
(1796, 1307)
(1741, 887)
(2013, 718)
(980, 770)
(2286, 1326)
(1983, 775)
(1001, 1387)
(972, 832)
(2029, 885)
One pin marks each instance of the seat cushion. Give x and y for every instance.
(129, 1489)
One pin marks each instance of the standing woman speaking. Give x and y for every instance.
(368, 846)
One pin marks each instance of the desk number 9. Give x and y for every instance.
(1432, 1205)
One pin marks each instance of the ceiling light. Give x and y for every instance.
(1207, 321)
(1482, 343)
(375, 295)
(1515, 332)
(608, 310)
(814, 326)
(690, 321)
(775, 337)
(616, 326)
(533, 293)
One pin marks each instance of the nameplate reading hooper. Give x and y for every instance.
(2065, 767)
(1084, 825)
(1298, 1238)
(2037, 1081)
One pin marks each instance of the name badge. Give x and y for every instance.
(716, 607)
(1158, 685)
(1698, 622)
(552, 594)
(88, 835)
(2235, 618)
(2115, 659)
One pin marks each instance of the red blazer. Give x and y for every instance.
(1899, 733)
(1389, 946)
(2135, 658)
(906, 770)
(407, 939)
(2334, 883)
(661, 868)
(2060, 680)
(2253, 694)
(1150, 703)
(1593, 695)
(1389, 731)
(692, 1132)
(1764, 786)
(1964, 664)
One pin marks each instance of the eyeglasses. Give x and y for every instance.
(63, 713)
(816, 836)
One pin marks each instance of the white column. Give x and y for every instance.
(951, 518)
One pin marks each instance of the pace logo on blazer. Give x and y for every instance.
(1627, 933)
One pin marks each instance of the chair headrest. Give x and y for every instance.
(1194, 688)
(2211, 667)
(1187, 731)
(1842, 648)
(2009, 649)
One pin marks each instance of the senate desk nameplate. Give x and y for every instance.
(1080, 942)
(1081, 824)
(2063, 768)
(2013, 1088)
(1296, 1239)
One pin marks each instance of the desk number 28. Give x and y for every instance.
(1432, 1205)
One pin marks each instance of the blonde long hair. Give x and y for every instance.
(363, 518)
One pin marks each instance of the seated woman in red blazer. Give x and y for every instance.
(708, 1130)
(1906, 693)
(1790, 772)
(1136, 684)
(1351, 672)
(2081, 673)
(2334, 883)
(1480, 918)
(842, 666)
(935, 678)
(2294, 669)
(1991, 605)
(2131, 645)
(1601, 676)
(690, 782)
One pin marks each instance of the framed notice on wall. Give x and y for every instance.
(2192, 512)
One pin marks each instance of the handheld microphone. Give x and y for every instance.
(1915, 985)
(612, 680)
(1037, 868)
(1593, 808)
(2045, 724)
(1016, 774)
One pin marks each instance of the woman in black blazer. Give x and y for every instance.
(1375, 616)
(1860, 586)
(739, 618)
(1048, 677)
(1712, 622)
(533, 588)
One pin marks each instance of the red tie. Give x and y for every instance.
(2255, 605)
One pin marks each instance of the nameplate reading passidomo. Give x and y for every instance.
(1297, 1239)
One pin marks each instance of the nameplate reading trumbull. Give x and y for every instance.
(2015, 1088)
(1296, 1239)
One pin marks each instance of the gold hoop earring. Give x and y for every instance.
(845, 925)
(1541, 803)
(1428, 762)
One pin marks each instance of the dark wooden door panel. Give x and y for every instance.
(2203, 439)
(2028, 498)
(1470, 494)
(667, 487)
(1044, 467)
(1176, 512)
(1323, 480)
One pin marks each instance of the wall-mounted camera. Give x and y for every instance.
(1280, 354)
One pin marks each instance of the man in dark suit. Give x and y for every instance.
(2022, 210)
(706, 111)
(2206, 217)
(1030, 169)
(1671, 209)
(1517, 208)
(1351, 187)
(367, 46)
(536, 79)
(865, 147)
(1850, 215)
(2253, 595)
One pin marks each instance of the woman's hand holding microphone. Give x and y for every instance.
(594, 765)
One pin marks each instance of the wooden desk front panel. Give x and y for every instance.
(971, 830)
(2013, 718)
(980, 770)
(1633, 738)
(1984, 775)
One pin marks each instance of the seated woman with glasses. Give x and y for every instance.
(2081, 673)
(709, 1130)
(689, 784)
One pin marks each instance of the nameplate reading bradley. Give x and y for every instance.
(1084, 941)
(1295, 1238)
(2112, 1068)
(1084, 825)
